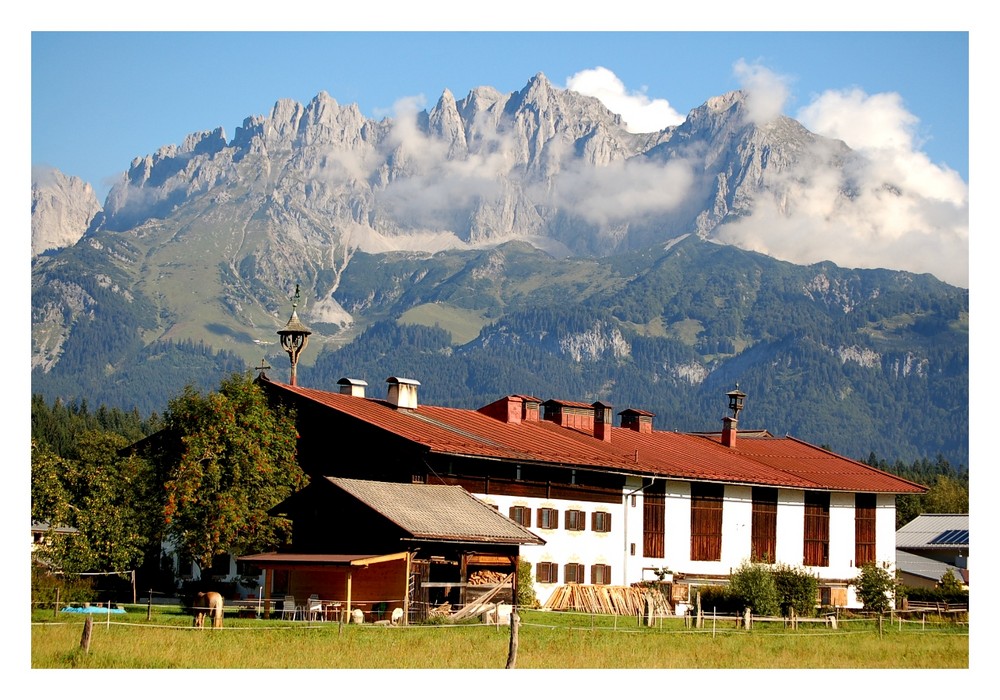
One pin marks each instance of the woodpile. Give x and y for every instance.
(606, 600)
(486, 577)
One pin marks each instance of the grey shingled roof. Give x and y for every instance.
(930, 569)
(920, 532)
(438, 512)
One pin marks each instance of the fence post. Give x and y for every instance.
(515, 622)
(55, 610)
(149, 606)
(880, 625)
(88, 629)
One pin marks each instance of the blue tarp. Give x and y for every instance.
(92, 610)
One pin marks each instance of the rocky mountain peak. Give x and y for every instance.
(62, 208)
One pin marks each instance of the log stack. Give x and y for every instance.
(486, 577)
(604, 600)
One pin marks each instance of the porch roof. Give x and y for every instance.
(271, 559)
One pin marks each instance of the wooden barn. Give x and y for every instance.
(376, 546)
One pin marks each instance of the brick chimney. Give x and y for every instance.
(352, 387)
(602, 421)
(637, 420)
(729, 431)
(403, 392)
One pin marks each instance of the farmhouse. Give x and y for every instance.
(609, 504)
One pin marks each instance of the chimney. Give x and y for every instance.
(637, 420)
(506, 410)
(602, 421)
(402, 392)
(352, 387)
(729, 431)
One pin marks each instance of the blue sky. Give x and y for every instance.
(100, 99)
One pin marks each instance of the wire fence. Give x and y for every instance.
(709, 623)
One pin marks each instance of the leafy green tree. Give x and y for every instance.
(947, 495)
(232, 458)
(754, 585)
(50, 502)
(797, 589)
(525, 585)
(949, 584)
(106, 496)
(875, 587)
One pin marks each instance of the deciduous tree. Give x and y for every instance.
(234, 459)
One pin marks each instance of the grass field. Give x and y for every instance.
(545, 641)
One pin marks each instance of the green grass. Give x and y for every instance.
(546, 641)
(463, 324)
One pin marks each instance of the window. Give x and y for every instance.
(706, 522)
(574, 573)
(600, 574)
(576, 520)
(864, 528)
(600, 521)
(654, 499)
(816, 545)
(764, 525)
(521, 515)
(546, 572)
(548, 518)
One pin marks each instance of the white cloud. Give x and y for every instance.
(621, 191)
(767, 92)
(640, 113)
(903, 212)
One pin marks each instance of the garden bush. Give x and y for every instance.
(754, 586)
(797, 589)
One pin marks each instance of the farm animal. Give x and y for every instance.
(207, 603)
(357, 616)
(397, 616)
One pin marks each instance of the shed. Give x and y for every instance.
(375, 546)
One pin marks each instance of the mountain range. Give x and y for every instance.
(521, 242)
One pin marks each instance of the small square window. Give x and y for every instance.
(548, 518)
(600, 521)
(521, 515)
(600, 574)
(576, 520)
(574, 573)
(546, 572)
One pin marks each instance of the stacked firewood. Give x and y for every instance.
(485, 577)
(606, 600)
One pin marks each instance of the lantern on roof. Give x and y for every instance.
(736, 401)
(294, 336)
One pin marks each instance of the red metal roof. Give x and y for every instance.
(766, 461)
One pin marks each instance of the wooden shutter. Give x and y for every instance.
(600, 521)
(653, 519)
(816, 544)
(706, 522)
(600, 574)
(764, 525)
(864, 528)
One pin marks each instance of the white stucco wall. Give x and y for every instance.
(569, 546)
(615, 548)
